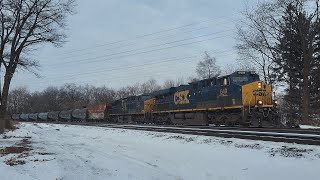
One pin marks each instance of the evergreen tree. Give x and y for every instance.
(297, 64)
(315, 78)
(289, 65)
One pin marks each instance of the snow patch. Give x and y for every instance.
(308, 127)
(80, 152)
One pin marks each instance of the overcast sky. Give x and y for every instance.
(120, 42)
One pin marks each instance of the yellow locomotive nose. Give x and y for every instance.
(257, 94)
(258, 107)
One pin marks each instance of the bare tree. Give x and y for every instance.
(208, 67)
(122, 93)
(168, 84)
(180, 81)
(134, 89)
(258, 33)
(262, 32)
(103, 95)
(240, 66)
(25, 24)
(51, 99)
(18, 100)
(71, 96)
(150, 86)
(171, 83)
(192, 79)
(87, 91)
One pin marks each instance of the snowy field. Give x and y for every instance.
(308, 127)
(77, 152)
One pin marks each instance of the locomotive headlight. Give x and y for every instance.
(260, 102)
(275, 102)
(259, 85)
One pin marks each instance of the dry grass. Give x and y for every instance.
(22, 149)
(315, 123)
(13, 150)
(8, 124)
(12, 125)
(14, 162)
(2, 126)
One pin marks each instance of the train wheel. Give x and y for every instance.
(256, 119)
(223, 119)
(259, 122)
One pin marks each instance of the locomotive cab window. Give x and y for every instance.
(209, 82)
(212, 82)
(225, 81)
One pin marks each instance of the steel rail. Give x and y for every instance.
(276, 135)
(308, 139)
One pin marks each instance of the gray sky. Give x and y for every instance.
(121, 42)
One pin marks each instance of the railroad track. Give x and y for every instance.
(311, 138)
(278, 130)
(298, 136)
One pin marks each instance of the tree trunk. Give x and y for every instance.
(4, 101)
(264, 73)
(306, 90)
(291, 114)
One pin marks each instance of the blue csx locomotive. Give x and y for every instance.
(236, 99)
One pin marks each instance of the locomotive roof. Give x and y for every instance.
(164, 91)
(238, 73)
(173, 89)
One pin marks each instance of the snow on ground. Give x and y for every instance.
(78, 152)
(308, 127)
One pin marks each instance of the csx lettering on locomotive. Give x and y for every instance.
(181, 97)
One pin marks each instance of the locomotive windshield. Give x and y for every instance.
(240, 80)
(244, 77)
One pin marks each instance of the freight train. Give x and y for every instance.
(92, 113)
(240, 98)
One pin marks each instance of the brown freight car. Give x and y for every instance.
(98, 112)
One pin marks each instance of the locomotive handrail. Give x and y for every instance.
(249, 102)
(243, 104)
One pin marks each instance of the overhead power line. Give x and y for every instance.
(129, 44)
(105, 57)
(133, 78)
(104, 71)
(143, 35)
